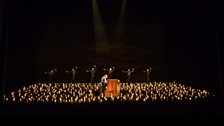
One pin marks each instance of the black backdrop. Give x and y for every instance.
(178, 39)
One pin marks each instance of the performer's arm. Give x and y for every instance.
(113, 68)
(47, 72)
(68, 71)
(124, 71)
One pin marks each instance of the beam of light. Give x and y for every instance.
(119, 32)
(100, 33)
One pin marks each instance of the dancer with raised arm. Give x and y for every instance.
(148, 71)
(51, 74)
(92, 73)
(128, 72)
(110, 71)
(73, 71)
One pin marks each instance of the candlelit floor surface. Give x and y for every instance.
(155, 98)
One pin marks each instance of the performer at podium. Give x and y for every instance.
(129, 72)
(148, 71)
(92, 73)
(73, 71)
(104, 83)
(51, 74)
(110, 71)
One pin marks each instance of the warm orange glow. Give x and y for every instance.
(85, 93)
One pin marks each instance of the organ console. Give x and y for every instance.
(113, 88)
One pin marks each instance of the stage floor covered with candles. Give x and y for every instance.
(133, 98)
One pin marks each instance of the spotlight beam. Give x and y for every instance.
(99, 30)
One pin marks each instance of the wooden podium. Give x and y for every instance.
(113, 88)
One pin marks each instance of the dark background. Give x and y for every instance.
(180, 40)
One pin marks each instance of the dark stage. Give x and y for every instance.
(180, 40)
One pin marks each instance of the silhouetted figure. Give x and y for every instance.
(110, 71)
(129, 71)
(92, 73)
(51, 74)
(104, 83)
(73, 71)
(148, 71)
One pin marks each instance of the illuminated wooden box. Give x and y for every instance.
(113, 88)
